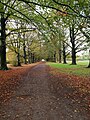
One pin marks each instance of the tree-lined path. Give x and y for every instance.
(36, 99)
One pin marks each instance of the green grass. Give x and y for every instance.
(79, 69)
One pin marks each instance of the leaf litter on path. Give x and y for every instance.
(46, 93)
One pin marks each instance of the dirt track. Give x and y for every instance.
(35, 100)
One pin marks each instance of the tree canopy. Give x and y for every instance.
(31, 26)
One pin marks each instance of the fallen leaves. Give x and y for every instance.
(10, 80)
(82, 83)
(67, 91)
(71, 87)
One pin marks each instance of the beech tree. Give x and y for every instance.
(5, 14)
(42, 15)
(9, 10)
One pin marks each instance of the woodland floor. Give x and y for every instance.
(38, 92)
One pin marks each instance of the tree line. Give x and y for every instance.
(33, 30)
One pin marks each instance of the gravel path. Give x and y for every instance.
(35, 101)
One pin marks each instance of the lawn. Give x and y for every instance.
(80, 69)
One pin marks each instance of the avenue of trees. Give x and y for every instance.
(31, 30)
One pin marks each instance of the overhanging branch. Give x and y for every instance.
(51, 7)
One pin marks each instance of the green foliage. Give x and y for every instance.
(50, 18)
(1, 8)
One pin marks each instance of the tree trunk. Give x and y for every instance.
(89, 64)
(25, 57)
(54, 57)
(24, 51)
(29, 56)
(3, 44)
(18, 55)
(64, 54)
(33, 57)
(89, 60)
(59, 56)
(72, 37)
(0, 46)
(73, 57)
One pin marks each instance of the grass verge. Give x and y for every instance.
(80, 69)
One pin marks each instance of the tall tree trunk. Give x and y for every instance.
(59, 51)
(89, 60)
(25, 56)
(89, 64)
(72, 39)
(24, 50)
(3, 43)
(0, 45)
(73, 55)
(18, 58)
(33, 58)
(29, 56)
(18, 55)
(64, 54)
(59, 56)
(0, 58)
(54, 57)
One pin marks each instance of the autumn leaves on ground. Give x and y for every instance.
(10, 80)
(71, 99)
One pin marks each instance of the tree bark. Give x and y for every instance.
(72, 39)
(24, 51)
(3, 43)
(89, 64)
(32, 58)
(29, 56)
(89, 60)
(54, 57)
(18, 55)
(25, 59)
(64, 54)
(0, 45)
(59, 56)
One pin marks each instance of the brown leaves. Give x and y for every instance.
(10, 80)
(71, 87)
(82, 83)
